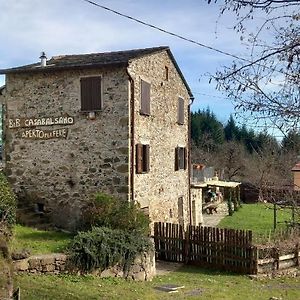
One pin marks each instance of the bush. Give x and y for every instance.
(8, 203)
(103, 247)
(108, 211)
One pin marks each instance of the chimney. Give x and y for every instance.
(43, 58)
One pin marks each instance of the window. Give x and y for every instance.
(166, 73)
(180, 158)
(145, 98)
(180, 112)
(90, 88)
(142, 158)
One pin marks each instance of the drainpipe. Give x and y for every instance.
(189, 158)
(131, 133)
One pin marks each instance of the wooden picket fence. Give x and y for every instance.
(225, 249)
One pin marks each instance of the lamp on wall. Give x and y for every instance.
(91, 115)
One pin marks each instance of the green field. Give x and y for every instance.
(39, 241)
(256, 217)
(198, 284)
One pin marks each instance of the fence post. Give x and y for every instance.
(297, 261)
(229, 203)
(275, 255)
(187, 245)
(254, 260)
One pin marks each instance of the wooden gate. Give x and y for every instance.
(226, 249)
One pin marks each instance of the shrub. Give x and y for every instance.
(103, 247)
(108, 211)
(8, 203)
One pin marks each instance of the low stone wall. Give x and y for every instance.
(143, 268)
(48, 263)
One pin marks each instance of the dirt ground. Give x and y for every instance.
(164, 267)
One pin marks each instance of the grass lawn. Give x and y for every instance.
(199, 284)
(39, 241)
(257, 217)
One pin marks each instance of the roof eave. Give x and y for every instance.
(60, 68)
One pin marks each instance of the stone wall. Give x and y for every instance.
(42, 264)
(160, 189)
(143, 268)
(196, 198)
(61, 173)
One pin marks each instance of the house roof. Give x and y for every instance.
(296, 168)
(94, 60)
(219, 183)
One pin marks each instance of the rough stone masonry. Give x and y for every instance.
(57, 156)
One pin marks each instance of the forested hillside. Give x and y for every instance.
(240, 153)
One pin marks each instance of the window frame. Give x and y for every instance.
(85, 108)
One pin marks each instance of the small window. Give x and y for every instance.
(166, 73)
(145, 98)
(39, 208)
(90, 88)
(142, 158)
(180, 158)
(180, 113)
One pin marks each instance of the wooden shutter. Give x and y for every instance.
(145, 98)
(176, 158)
(185, 162)
(180, 119)
(142, 158)
(139, 158)
(146, 158)
(180, 158)
(91, 93)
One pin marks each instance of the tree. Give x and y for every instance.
(266, 82)
(232, 160)
(231, 130)
(291, 142)
(206, 129)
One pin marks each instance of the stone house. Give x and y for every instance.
(114, 122)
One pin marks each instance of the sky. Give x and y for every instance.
(59, 27)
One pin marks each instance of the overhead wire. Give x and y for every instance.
(179, 36)
(182, 38)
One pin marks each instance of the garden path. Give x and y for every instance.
(214, 219)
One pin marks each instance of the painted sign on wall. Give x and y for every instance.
(33, 122)
(39, 134)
